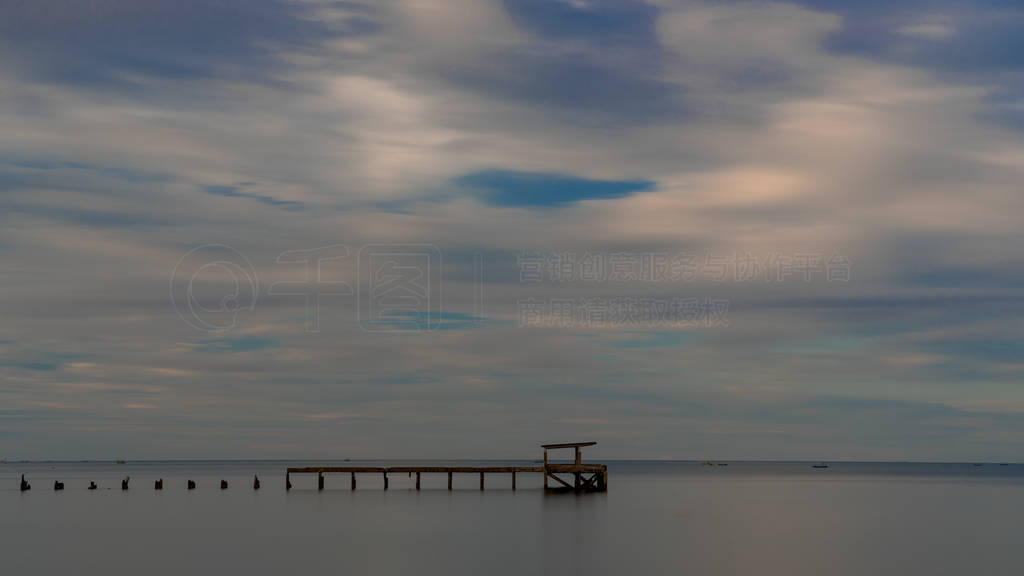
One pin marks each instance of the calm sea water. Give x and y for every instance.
(657, 518)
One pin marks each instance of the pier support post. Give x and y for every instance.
(353, 481)
(417, 480)
(545, 468)
(385, 480)
(481, 480)
(319, 480)
(513, 479)
(577, 474)
(287, 481)
(449, 481)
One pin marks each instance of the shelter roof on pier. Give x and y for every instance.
(568, 445)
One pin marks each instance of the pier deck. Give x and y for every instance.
(585, 477)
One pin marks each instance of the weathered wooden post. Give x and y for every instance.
(577, 473)
(159, 484)
(481, 480)
(255, 482)
(513, 479)
(353, 481)
(385, 480)
(192, 485)
(287, 481)
(223, 484)
(25, 486)
(320, 480)
(545, 468)
(417, 480)
(57, 485)
(449, 480)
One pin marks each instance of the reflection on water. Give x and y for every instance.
(657, 518)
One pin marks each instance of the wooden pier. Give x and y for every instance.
(582, 477)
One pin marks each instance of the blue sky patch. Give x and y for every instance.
(239, 344)
(233, 192)
(545, 190)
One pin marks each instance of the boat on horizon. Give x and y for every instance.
(820, 465)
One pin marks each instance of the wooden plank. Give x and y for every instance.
(317, 469)
(464, 469)
(567, 445)
(564, 468)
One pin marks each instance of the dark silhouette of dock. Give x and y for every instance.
(582, 477)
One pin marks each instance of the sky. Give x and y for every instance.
(459, 229)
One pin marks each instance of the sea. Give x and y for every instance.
(657, 517)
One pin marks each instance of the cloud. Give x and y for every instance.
(936, 28)
(130, 135)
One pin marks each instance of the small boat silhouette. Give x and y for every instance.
(820, 465)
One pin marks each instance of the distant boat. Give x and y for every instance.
(820, 465)
(723, 463)
(120, 461)
(706, 463)
(977, 464)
